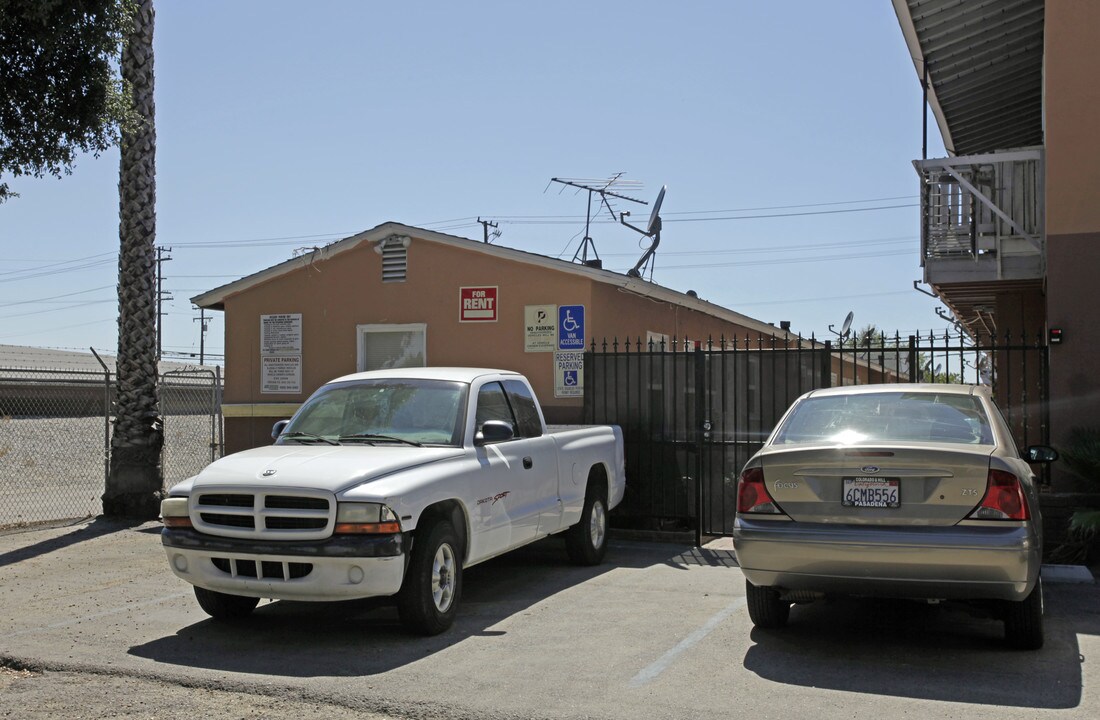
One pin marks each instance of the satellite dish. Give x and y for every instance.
(655, 217)
(847, 325)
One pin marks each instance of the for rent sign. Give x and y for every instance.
(477, 304)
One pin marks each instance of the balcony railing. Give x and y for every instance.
(982, 216)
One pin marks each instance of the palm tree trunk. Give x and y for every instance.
(135, 480)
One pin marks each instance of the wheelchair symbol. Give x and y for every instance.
(569, 324)
(570, 378)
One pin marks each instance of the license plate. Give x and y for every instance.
(871, 492)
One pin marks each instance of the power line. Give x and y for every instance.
(55, 297)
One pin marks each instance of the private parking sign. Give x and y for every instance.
(571, 327)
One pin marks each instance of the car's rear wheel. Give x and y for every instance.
(428, 602)
(766, 609)
(586, 542)
(222, 606)
(1024, 620)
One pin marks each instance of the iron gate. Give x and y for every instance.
(692, 414)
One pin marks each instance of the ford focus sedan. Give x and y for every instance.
(902, 491)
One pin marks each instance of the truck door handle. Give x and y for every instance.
(528, 463)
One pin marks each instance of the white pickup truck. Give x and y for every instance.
(390, 483)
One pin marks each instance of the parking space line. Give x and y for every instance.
(687, 643)
(96, 616)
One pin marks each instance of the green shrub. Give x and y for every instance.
(1081, 454)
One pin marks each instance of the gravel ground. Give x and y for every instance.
(29, 694)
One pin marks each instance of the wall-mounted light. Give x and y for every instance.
(392, 239)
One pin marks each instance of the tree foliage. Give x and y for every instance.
(60, 89)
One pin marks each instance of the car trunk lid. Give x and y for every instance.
(877, 485)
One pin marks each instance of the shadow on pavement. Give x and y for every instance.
(365, 637)
(97, 528)
(927, 652)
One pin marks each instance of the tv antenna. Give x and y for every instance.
(605, 188)
(652, 230)
(845, 327)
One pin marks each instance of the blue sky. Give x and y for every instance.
(785, 132)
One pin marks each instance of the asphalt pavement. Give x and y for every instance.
(94, 625)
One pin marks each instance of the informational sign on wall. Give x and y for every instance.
(281, 353)
(477, 304)
(281, 333)
(281, 374)
(568, 373)
(571, 327)
(540, 328)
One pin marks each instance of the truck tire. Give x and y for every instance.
(766, 609)
(428, 601)
(222, 606)
(1024, 620)
(586, 542)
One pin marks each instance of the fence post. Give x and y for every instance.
(702, 433)
(827, 366)
(106, 417)
(914, 371)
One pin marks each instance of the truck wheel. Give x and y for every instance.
(428, 601)
(1024, 620)
(586, 542)
(222, 606)
(766, 609)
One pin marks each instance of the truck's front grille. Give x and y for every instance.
(263, 570)
(227, 499)
(241, 521)
(283, 514)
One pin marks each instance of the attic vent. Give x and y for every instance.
(395, 259)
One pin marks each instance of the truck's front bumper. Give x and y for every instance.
(338, 568)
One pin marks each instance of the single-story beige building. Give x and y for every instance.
(398, 296)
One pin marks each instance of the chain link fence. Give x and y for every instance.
(55, 438)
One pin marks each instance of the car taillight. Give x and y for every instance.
(752, 494)
(1004, 499)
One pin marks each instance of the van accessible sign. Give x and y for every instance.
(571, 327)
(477, 304)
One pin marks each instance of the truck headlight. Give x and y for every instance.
(173, 511)
(366, 518)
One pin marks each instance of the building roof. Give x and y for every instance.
(33, 358)
(215, 299)
(985, 69)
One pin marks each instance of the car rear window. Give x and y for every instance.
(893, 416)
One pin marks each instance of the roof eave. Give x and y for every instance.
(909, 32)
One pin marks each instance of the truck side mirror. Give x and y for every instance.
(277, 429)
(493, 431)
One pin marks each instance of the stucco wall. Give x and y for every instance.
(1073, 209)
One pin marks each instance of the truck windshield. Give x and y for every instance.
(383, 411)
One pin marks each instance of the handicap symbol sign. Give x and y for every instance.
(570, 378)
(571, 327)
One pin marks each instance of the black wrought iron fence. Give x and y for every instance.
(693, 413)
(55, 437)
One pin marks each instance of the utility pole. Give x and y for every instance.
(202, 334)
(161, 259)
(485, 225)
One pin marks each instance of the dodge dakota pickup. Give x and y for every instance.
(389, 483)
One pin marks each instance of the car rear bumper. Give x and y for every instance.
(341, 568)
(958, 563)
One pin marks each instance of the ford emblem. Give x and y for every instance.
(269, 473)
(869, 469)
